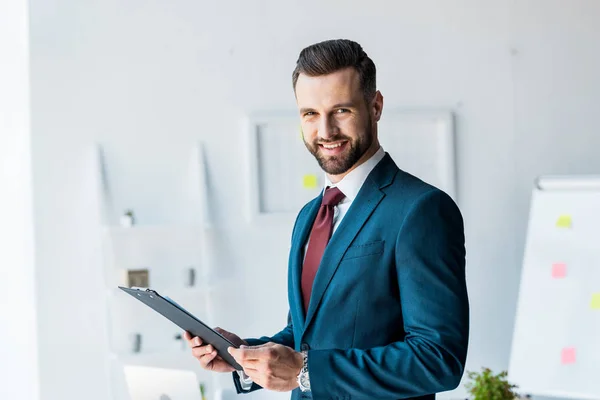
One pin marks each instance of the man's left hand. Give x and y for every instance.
(272, 366)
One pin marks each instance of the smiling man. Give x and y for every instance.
(376, 286)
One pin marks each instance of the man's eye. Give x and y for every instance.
(309, 113)
(342, 110)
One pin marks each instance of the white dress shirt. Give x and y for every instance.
(351, 184)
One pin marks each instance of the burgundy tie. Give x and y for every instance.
(319, 237)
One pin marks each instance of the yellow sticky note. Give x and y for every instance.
(595, 302)
(310, 181)
(301, 132)
(564, 221)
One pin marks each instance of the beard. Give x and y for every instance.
(338, 164)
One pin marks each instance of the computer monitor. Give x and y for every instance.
(149, 383)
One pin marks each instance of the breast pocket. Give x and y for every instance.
(364, 250)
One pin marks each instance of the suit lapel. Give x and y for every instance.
(359, 212)
(305, 222)
(361, 209)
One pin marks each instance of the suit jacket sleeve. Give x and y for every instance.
(430, 265)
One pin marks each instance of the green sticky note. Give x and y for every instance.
(564, 221)
(310, 181)
(301, 132)
(595, 301)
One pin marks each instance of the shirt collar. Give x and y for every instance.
(350, 185)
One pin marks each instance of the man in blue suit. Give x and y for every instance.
(376, 286)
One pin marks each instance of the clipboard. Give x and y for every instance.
(186, 321)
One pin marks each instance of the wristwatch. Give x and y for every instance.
(303, 379)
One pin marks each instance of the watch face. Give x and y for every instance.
(304, 382)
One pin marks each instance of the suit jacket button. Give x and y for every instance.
(304, 347)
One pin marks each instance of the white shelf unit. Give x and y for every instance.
(168, 252)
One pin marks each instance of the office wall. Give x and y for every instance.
(149, 79)
(18, 330)
(556, 94)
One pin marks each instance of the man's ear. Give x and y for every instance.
(377, 106)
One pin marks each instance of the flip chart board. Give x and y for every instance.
(556, 341)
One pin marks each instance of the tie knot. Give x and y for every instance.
(332, 196)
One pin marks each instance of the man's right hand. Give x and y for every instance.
(207, 354)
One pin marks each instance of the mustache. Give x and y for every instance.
(334, 139)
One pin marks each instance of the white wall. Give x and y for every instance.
(18, 330)
(556, 87)
(148, 79)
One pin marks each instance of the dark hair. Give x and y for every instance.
(333, 55)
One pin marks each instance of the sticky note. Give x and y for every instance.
(564, 221)
(595, 304)
(301, 132)
(310, 181)
(559, 270)
(568, 355)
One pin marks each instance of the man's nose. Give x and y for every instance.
(327, 129)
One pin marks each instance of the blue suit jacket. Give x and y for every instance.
(389, 313)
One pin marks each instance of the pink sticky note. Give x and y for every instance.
(559, 270)
(568, 355)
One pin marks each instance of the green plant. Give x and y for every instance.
(487, 386)
(203, 391)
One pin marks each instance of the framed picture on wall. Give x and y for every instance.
(283, 175)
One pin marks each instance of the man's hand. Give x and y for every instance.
(272, 366)
(207, 354)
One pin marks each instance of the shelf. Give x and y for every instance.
(173, 292)
(166, 251)
(152, 229)
(167, 292)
